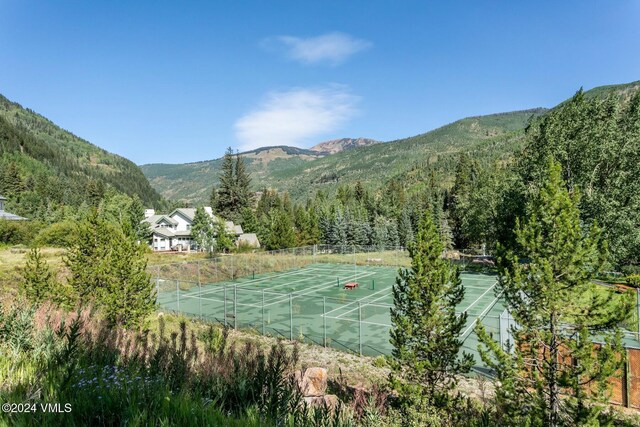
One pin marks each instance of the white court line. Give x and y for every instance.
(222, 301)
(357, 321)
(489, 307)
(303, 271)
(280, 298)
(480, 297)
(313, 289)
(366, 304)
(353, 302)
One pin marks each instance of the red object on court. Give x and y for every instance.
(350, 285)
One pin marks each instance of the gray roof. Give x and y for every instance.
(154, 219)
(250, 239)
(163, 232)
(11, 217)
(2, 198)
(188, 213)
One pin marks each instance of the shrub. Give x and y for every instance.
(60, 234)
(18, 232)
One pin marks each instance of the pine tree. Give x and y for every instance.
(128, 296)
(392, 233)
(338, 230)
(227, 198)
(39, 284)
(281, 232)
(213, 198)
(234, 193)
(249, 221)
(405, 228)
(379, 236)
(558, 312)
(88, 258)
(242, 188)
(425, 326)
(108, 267)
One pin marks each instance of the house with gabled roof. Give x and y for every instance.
(172, 232)
(8, 215)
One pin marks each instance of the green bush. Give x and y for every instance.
(18, 232)
(59, 234)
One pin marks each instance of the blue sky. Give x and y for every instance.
(173, 82)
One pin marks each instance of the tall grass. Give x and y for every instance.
(111, 376)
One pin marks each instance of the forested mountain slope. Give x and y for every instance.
(302, 172)
(42, 165)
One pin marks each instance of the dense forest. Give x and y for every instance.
(45, 169)
(596, 141)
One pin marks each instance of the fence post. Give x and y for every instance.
(290, 317)
(200, 299)
(626, 382)
(178, 294)
(324, 321)
(158, 282)
(235, 306)
(638, 310)
(355, 274)
(199, 281)
(360, 328)
(225, 304)
(263, 312)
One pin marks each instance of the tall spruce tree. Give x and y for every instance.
(244, 195)
(108, 267)
(39, 283)
(227, 194)
(234, 193)
(425, 326)
(558, 313)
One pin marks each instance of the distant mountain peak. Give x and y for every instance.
(337, 145)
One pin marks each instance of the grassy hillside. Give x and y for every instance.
(302, 172)
(37, 151)
(192, 182)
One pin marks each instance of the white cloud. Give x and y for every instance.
(333, 48)
(293, 117)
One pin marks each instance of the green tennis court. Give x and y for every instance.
(311, 304)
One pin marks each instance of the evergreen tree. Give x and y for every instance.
(463, 187)
(359, 192)
(89, 256)
(393, 239)
(234, 193)
(128, 296)
(425, 326)
(405, 228)
(281, 232)
(227, 195)
(249, 221)
(213, 198)
(39, 284)
(109, 267)
(379, 236)
(338, 231)
(242, 187)
(558, 313)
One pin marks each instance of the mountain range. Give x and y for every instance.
(302, 172)
(37, 152)
(37, 148)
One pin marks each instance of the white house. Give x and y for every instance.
(8, 215)
(173, 231)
